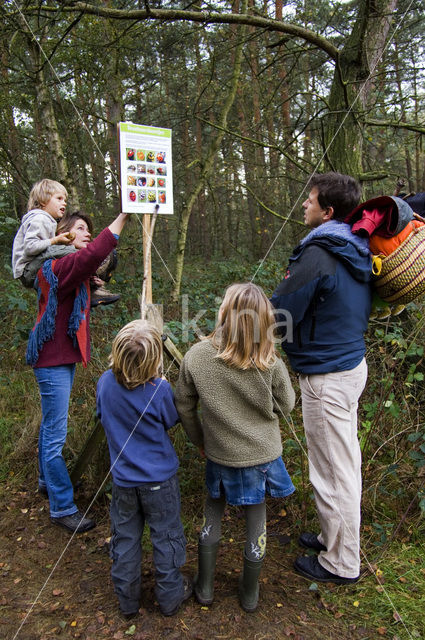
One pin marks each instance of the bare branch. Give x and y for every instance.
(204, 17)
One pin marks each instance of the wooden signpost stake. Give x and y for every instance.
(148, 310)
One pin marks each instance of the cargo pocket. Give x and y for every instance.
(178, 546)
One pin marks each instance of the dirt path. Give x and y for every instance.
(76, 599)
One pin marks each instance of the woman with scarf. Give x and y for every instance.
(59, 339)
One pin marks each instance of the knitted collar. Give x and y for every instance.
(338, 230)
(46, 284)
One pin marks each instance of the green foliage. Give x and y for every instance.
(390, 599)
(392, 428)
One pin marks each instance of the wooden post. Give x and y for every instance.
(148, 229)
(147, 263)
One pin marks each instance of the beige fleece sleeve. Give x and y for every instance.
(186, 398)
(282, 389)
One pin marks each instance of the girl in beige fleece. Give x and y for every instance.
(242, 387)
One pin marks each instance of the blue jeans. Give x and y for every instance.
(157, 505)
(55, 384)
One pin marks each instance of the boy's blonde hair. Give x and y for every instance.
(136, 353)
(42, 191)
(244, 333)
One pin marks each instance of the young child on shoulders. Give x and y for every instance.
(136, 408)
(242, 387)
(36, 239)
(36, 236)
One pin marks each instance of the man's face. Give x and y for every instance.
(314, 215)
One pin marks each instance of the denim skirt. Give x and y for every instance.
(248, 485)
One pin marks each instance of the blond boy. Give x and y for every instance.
(37, 234)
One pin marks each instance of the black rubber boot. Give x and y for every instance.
(204, 581)
(248, 584)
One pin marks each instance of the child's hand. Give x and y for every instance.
(201, 452)
(63, 238)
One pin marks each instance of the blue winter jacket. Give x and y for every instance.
(323, 303)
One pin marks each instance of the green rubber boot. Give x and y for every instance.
(248, 584)
(204, 581)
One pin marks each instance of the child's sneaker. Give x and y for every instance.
(100, 295)
(109, 264)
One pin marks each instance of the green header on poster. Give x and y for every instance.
(129, 127)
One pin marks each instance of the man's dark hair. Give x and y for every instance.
(338, 191)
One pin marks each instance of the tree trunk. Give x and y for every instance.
(54, 157)
(20, 182)
(352, 87)
(207, 166)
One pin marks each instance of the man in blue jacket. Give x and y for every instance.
(326, 295)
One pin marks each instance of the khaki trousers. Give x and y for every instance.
(329, 404)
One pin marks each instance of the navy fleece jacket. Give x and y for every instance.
(323, 303)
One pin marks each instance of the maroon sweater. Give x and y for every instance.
(71, 271)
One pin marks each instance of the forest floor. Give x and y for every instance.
(54, 585)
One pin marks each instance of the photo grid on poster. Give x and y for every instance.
(145, 168)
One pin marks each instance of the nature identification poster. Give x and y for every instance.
(145, 168)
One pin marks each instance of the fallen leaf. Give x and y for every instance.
(382, 631)
(57, 592)
(338, 614)
(279, 605)
(402, 579)
(130, 631)
(62, 624)
(396, 616)
(74, 623)
(24, 510)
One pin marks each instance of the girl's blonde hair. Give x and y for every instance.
(136, 354)
(244, 335)
(42, 191)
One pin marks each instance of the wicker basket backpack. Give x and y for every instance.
(401, 276)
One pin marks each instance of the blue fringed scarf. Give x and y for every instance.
(46, 284)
